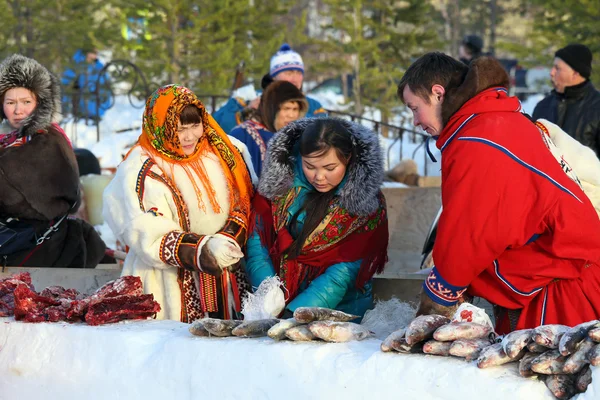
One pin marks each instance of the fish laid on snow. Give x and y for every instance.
(461, 330)
(516, 341)
(198, 329)
(549, 363)
(561, 386)
(401, 346)
(584, 379)
(278, 330)
(571, 338)
(300, 333)
(468, 349)
(257, 328)
(595, 334)
(437, 348)
(305, 315)
(386, 345)
(525, 365)
(549, 335)
(494, 355)
(331, 331)
(422, 327)
(579, 358)
(220, 327)
(594, 355)
(536, 348)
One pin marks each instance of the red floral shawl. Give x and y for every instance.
(341, 237)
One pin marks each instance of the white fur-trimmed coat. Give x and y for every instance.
(143, 231)
(577, 159)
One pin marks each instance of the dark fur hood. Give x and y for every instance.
(20, 71)
(484, 73)
(364, 174)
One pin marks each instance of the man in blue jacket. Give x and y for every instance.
(80, 86)
(286, 65)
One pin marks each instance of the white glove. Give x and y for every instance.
(224, 249)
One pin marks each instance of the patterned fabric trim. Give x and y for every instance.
(182, 212)
(243, 286)
(169, 248)
(141, 181)
(441, 291)
(191, 297)
(542, 128)
(236, 228)
(252, 129)
(224, 150)
(560, 158)
(337, 224)
(11, 140)
(208, 287)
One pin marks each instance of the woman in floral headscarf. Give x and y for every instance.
(180, 201)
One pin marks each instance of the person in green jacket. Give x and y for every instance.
(321, 219)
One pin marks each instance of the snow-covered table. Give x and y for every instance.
(162, 360)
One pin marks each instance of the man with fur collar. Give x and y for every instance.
(515, 229)
(39, 179)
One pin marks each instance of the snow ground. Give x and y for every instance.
(157, 360)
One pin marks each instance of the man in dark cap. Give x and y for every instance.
(470, 48)
(574, 104)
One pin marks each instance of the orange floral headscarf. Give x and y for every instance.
(160, 139)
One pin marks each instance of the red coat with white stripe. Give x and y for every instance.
(515, 229)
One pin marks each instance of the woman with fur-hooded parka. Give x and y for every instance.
(39, 179)
(324, 258)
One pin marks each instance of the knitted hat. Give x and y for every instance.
(578, 57)
(286, 59)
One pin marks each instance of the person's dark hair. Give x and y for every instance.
(87, 162)
(266, 81)
(318, 137)
(274, 96)
(190, 115)
(431, 69)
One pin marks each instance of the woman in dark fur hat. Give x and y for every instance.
(38, 175)
(321, 219)
(281, 104)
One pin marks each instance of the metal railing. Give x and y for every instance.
(116, 78)
(122, 77)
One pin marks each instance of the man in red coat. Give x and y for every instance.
(515, 228)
